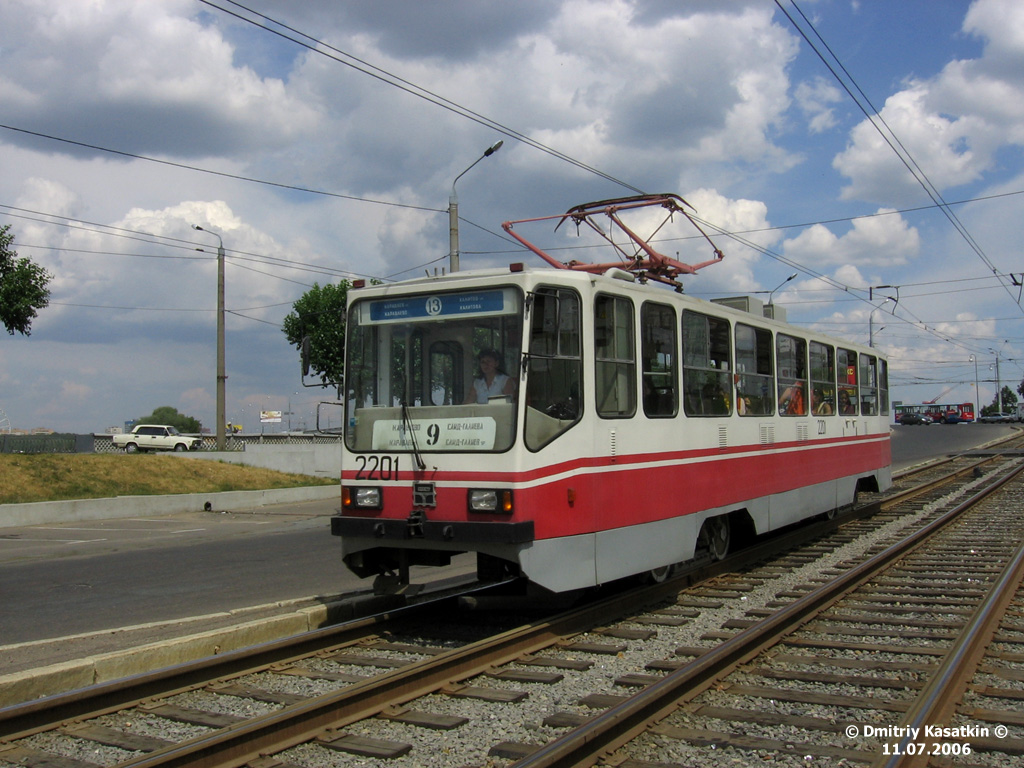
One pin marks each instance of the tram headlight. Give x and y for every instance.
(490, 500)
(361, 497)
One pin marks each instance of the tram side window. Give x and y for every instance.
(791, 364)
(707, 387)
(614, 356)
(755, 390)
(554, 366)
(823, 379)
(868, 385)
(846, 363)
(658, 351)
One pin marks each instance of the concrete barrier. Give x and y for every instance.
(300, 459)
(41, 512)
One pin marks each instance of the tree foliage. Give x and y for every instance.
(1009, 402)
(319, 314)
(165, 414)
(23, 287)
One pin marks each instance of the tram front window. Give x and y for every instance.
(433, 372)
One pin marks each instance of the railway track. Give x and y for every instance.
(440, 685)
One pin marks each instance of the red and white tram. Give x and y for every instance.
(574, 428)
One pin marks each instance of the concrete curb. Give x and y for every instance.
(29, 685)
(43, 512)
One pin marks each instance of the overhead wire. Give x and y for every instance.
(398, 82)
(354, 62)
(223, 174)
(892, 140)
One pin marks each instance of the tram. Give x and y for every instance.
(576, 425)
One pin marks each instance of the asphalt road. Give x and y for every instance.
(60, 580)
(64, 579)
(912, 445)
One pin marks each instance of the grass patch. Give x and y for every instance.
(60, 477)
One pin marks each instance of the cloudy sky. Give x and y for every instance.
(320, 140)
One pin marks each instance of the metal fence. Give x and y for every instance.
(60, 443)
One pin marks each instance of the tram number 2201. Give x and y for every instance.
(377, 467)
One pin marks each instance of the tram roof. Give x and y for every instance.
(620, 280)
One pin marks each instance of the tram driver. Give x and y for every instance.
(490, 381)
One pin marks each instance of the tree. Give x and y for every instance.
(23, 287)
(165, 414)
(319, 315)
(1009, 402)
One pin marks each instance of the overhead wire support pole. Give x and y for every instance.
(221, 366)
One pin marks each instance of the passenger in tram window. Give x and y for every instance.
(791, 402)
(491, 381)
(846, 406)
(821, 404)
(715, 400)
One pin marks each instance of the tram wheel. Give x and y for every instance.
(657, 575)
(716, 536)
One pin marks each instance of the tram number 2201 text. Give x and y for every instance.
(377, 467)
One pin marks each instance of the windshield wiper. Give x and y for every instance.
(407, 423)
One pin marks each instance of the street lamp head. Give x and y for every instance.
(196, 226)
(772, 292)
(453, 210)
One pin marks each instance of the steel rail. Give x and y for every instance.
(917, 490)
(20, 720)
(936, 703)
(616, 726)
(296, 724)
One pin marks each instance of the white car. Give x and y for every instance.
(156, 437)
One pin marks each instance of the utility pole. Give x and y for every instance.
(221, 372)
(999, 386)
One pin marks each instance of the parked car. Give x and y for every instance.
(997, 418)
(915, 418)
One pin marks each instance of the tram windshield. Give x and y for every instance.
(434, 372)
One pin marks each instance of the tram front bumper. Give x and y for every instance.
(418, 528)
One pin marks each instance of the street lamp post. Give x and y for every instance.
(221, 374)
(977, 391)
(999, 385)
(453, 212)
(771, 293)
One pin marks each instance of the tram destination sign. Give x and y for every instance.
(474, 433)
(438, 305)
